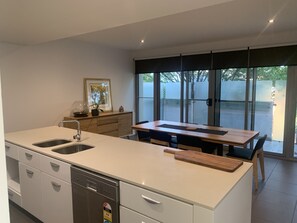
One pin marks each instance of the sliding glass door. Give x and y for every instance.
(145, 97)
(252, 89)
(170, 96)
(253, 102)
(232, 97)
(197, 88)
(270, 106)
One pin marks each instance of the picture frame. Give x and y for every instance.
(97, 93)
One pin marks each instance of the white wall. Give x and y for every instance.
(40, 83)
(4, 211)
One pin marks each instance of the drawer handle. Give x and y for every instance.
(7, 147)
(150, 200)
(55, 185)
(55, 166)
(29, 172)
(29, 156)
(91, 189)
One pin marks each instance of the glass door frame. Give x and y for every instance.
(214, 90)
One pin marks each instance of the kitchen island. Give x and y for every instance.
(213, 196)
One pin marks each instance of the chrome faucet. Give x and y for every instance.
(78, 134)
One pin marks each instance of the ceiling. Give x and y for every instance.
(123, 24)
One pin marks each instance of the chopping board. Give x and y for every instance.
(208, 160)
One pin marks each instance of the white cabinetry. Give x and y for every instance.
(151, 206)
(57, 200)
(127, 215)
(11, 150)
(29, 157)
(39, 184)
(55, 168)
(13, 176)
(56, 191)
(30, 179)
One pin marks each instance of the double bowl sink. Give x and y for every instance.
(68, 149)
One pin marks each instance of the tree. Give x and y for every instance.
(238, 74)
(148, 77)
(263, 73)
(272, 73)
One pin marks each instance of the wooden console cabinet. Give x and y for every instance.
(107, 123)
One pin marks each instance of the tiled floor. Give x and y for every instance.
(275, 201)
(18, 215)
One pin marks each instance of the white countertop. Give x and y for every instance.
(138, 163)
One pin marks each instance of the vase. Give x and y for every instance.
(95, 112)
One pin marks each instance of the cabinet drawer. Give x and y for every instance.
(110, 130)
(15, 197)
(124, 131)
(128, 216)
(125, 117)
(29, 157)
(11, 150)
(55, 168)
(56, 199)
(107, 128)
(30, 181)
(112, 133)
(84, 124)
(107, 120)
(154, 205)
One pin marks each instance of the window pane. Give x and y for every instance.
(197, 96)
(146, 97)
(270, 106)
(170, 96)
(232, 105)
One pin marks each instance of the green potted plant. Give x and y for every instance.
(95, 104)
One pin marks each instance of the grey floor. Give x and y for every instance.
(18, 215)
(276, 199)
(274, 202)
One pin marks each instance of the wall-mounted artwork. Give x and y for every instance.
(98, 93)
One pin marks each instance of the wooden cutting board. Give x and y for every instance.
(208, 160)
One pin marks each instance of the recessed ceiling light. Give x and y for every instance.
(271, 20)
(142, 41)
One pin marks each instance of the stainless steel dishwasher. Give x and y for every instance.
(95, 197)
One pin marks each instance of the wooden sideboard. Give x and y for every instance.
(107, 123)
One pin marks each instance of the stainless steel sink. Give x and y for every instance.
(72, 149)
(50, 143)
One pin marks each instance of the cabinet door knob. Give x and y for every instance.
(7, 147)
(150, 200)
